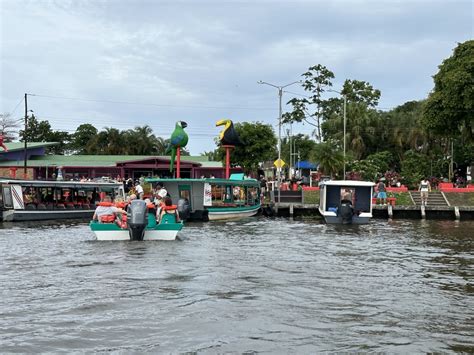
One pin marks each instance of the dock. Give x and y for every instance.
(289, 209)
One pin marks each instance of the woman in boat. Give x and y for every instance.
(169, 208)
(106, 212)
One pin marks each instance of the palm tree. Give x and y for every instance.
(330, 157)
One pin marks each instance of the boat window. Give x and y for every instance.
(7, 197)
(222, 195)
(185, 193)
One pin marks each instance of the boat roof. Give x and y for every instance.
(246, 182)
(46, 183)
(348, 183)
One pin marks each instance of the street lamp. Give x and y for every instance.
(344, 140)
(280, 93)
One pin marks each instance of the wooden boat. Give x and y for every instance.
(346, 201)
(141, 226)
(32, 200)
(213, 199)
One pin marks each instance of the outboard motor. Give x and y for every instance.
(184, 209)
(137, 219)
(346, 211)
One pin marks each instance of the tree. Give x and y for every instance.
(449, 109)
(303, 144)
(212, 155)
(316, 80)
(8, 127)
(82, 138)
(259, 145)
(36, 131)
(330, 157)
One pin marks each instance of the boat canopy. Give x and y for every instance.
(246, 182)
(351, 183)
(65, 184)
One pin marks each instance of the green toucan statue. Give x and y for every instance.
(228, 135)
(179, 139)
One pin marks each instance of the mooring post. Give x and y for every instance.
(423, 212)
(390, 211)
(457, 213)
(291, 210)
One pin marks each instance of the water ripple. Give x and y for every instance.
(259, 285)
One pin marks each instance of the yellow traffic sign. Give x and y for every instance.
(279, 163)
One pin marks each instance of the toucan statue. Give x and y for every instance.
(228, 135)
(179, 139)
(1, 143)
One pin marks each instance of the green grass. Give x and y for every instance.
(403, 198)
(460, 198)
(311, 197)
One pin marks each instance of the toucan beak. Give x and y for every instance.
(184, 124)
(220, 123)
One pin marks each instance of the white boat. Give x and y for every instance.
(141, 225)
(346, 201)
(33, 200)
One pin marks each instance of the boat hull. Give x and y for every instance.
(338, 220)
(112, 232)
(44, 215)
(219, 214)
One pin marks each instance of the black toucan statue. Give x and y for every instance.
(228, 135)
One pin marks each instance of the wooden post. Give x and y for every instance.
(178, 162)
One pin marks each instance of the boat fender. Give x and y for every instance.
(107, 218)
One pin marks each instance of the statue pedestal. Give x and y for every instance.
(227, 159)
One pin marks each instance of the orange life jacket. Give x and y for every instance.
(120, 205)
(107, 218)
(169, 208)
(122, 223)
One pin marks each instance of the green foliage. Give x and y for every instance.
(311, 197)
(415, 167)
(449, 108)
(303, 144)
(259, 145)
(330, 157)
(403, 198)
(383, 160)
(81, 139)
(365, 169)
(361, 92)
(41, 131)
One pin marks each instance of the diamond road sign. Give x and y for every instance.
(279, 163)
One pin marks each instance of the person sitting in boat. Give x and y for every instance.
(160, 202)
(106, 212)
(169, 209)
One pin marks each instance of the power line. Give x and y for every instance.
(151, 104)
(18, 104)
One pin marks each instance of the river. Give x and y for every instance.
(259, 285)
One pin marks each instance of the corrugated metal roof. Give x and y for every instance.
(21, 145)
(100, 160)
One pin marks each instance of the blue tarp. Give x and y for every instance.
(305, 165)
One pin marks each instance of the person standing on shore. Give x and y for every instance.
(382, 192)
(424, 189)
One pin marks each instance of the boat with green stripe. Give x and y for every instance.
(213, 199)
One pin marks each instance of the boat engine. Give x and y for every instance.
(346, 211)
(184, 209)
(137, 215)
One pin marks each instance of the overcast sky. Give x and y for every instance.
(127, 63)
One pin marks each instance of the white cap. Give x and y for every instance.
(162, 193)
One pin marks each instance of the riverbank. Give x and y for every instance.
(459, 206)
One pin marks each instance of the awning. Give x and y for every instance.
(305, 165)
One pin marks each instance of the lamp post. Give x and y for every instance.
(344, 129)
(280, 94)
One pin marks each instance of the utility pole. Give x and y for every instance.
(280, 94)
(25, 138)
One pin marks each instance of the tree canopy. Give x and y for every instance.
(449, 109)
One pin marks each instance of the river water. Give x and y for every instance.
(259, 285)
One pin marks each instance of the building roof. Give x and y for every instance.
(14, 146)
(100, 160)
